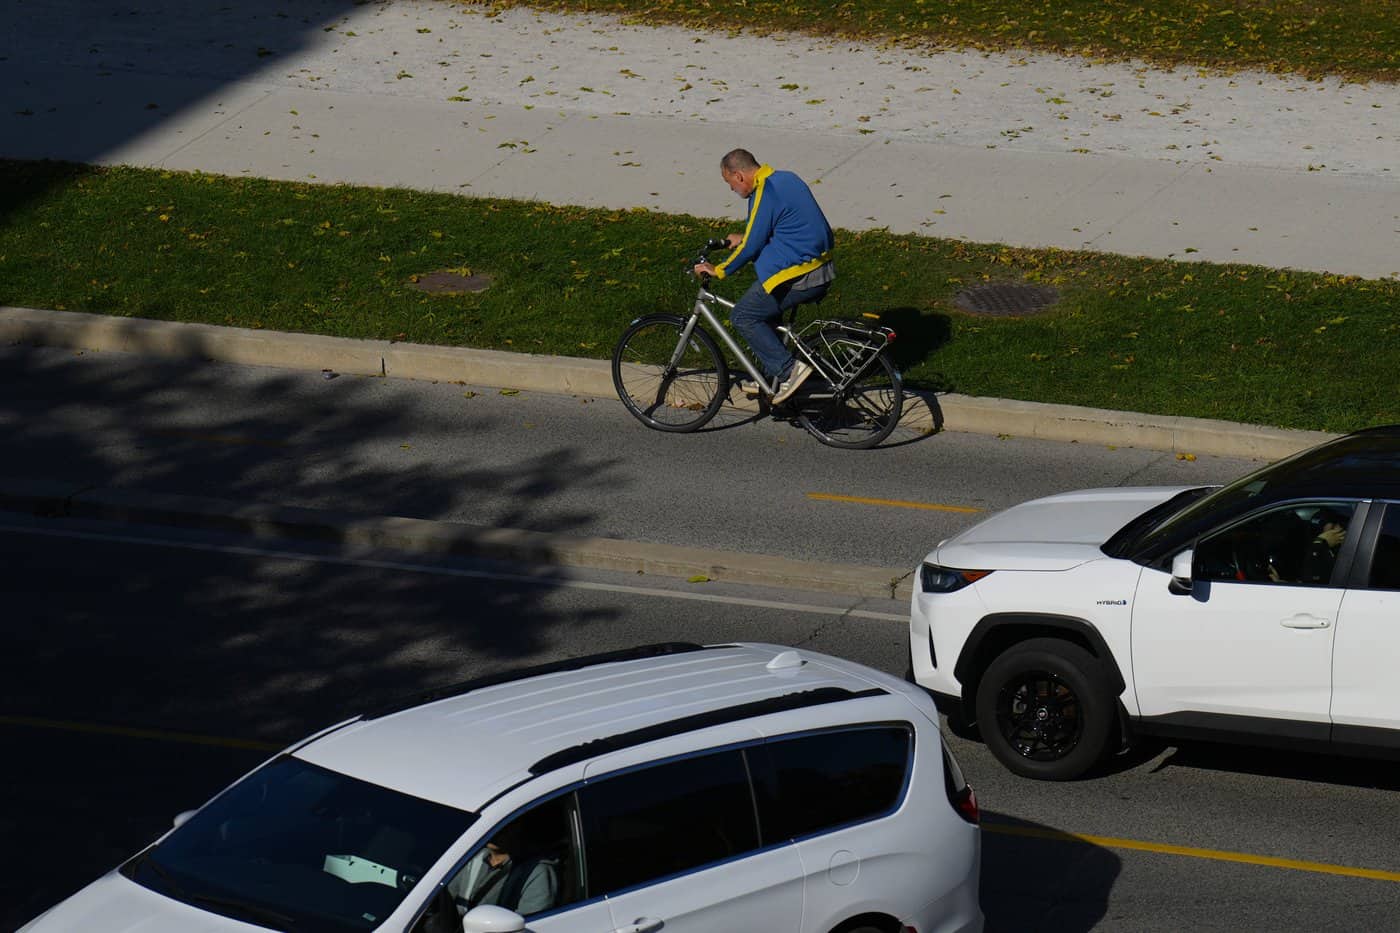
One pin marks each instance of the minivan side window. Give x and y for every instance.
(810, 783)
(528, 865)
(643, 825)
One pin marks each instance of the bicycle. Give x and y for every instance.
(671, 375)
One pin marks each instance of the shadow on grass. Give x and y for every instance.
(918, 335)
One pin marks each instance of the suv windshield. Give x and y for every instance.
(1358, 462)
(297, 847)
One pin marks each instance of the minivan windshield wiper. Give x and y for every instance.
(173, 887)
(242, 910)
(234, 907)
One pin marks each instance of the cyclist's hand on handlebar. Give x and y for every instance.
(703, 270)
(733, 240)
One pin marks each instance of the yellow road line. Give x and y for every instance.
(895, 503)
(126, 732)
(1217, 855)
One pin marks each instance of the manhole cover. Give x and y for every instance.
(447, 282)
(1006, 299)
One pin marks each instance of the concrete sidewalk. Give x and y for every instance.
(160, 89)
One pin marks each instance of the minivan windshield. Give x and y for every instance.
(294, 846)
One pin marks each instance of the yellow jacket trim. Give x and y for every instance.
(763, 172)
(792, 272)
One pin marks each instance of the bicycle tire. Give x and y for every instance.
(862, 415)
(678, 401)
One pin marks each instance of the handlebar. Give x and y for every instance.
(704, 255)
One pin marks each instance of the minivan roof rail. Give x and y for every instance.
(641, 652)
(714, 717)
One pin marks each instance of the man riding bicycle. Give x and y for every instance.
(789, 241)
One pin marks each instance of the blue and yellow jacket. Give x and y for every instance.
(787, 233)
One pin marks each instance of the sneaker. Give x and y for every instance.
(798, 375)
(750, 388)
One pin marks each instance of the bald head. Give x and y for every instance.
(738, 160)
(739, 169)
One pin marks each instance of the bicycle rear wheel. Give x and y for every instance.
(665, 391)
(860, 416)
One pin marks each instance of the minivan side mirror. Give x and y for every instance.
(1181, 572)
(488, 918)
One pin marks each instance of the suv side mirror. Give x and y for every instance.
(488, 918)
(1181, 572)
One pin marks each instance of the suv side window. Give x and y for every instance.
(811, 783)
(1297, 543)
(1385, 561)
(646, 824)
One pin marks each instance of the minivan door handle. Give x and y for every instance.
(642, 925)
(1304, 620)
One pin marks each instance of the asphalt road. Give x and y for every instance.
(530, 461)
(144, 669)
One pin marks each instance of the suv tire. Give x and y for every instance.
(1045, 709)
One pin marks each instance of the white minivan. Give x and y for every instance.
(733, 787)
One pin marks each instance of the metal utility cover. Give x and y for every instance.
(1006, 299)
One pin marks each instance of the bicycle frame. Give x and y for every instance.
(702, 310)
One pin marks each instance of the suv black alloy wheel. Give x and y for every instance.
(1045, 709)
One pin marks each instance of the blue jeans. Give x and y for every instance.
(756, 315)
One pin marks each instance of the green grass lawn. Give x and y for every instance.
(1241, 343)
(1355, 38)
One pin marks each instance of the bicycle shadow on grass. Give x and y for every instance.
(918, 335)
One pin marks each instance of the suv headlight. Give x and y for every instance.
(936, 579)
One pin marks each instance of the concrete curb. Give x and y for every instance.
(48, 498)
(567, 375)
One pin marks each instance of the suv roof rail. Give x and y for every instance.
(714, 717)
(661, 649)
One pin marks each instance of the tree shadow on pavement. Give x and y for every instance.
(191, 639)
(295, 438)
(157, 673)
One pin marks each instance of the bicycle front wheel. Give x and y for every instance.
(861, 415)
(666, 385)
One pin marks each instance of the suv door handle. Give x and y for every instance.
(642, 925)
(1303, 620)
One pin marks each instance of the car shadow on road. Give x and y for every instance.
(1278, 763)
(1038, 878)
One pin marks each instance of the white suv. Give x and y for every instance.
(732, 787)
(1263, 611)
